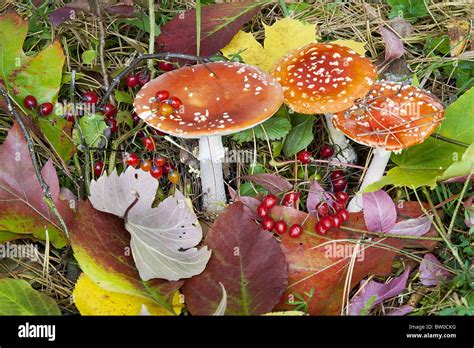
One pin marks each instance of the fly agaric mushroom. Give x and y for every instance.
(218, 98)
(393, 117)
(325, 78)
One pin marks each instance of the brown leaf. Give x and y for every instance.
(321, 263)
(219, 24)
(246, 260)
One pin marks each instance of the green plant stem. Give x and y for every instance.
(116, 143)
(458, 205)
(151, 45)
(442, 231)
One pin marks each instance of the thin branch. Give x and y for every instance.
(44, 186)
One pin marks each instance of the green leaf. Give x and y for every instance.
(276, 127)
(17, 297)
(434, 159)
(13, 30)
(93, 127)
(58, 136)
(88, 56)
(299, 137)
(408, 9)
(124, 117)
(440, 44)
(123, 97)
(142, 23)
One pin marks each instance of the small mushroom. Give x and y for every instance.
(392, 117)
(325, 78)
(217, 98)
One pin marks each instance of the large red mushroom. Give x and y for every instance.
(325, 78)
(392, 117)
(216, 99)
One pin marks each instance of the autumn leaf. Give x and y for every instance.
(246, 260)
(219, 23)
(23, 210)
(281, 38)
(101, 245)
(38, 75)
(273, 183)
(165, 250)
(91, 299)
(321, 263)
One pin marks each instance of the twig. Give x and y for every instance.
(44, 186)
(151, 45)
(390, 235)
(449, 140)
(138, 60)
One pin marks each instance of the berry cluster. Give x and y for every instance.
(43, 109)
(167, 104)
(280, 227)
(134, 80)
(332, 216)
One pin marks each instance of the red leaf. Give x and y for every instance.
(246, 260)
(102, 247)
(273, 183)
(393, 45)
(219, 24)
(321, 263)
(22, 206)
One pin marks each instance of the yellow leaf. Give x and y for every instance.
(280, 38)
(357, 46)
(91, 299)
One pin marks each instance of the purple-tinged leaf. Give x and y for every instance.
(400, 311)
(250, 203)
(432, 271)
(316, 194)
(381, 291)
(393, 45)
(401, 26)
(380, 214)
(219, 24)
(273, 183)
(61, 15)
(469, 211)
(120, 10)
(412, 227)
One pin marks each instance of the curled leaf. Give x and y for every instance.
(432, 271)
(273, 183)
(380, 214)
(412, 227)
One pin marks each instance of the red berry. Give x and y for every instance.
(337, 174)
(322, 208)
(30, 102)
(280, 227)
(162, 95)
(327, 151)
(262, 211)
(110, 111)
(113, 125)
(98, 167)
(140, 134)
(133, 160)
(295, 231)
(167, 168)
(344, 214)
(148, 143)
(268, 223)
(143, 78)
(341, 197)
(336, 220)
(304, 157)
(70, 117)
(159, 161)
(175, 102)
(326, 222)
(45, 109)
(339, 184)
(90, 97)
(269, 201)
(166, 66)
(320, 229)
(156, 172)
(132, 81)
(337, 206)
(290, 199)
(145, 165)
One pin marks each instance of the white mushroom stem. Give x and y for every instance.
(373, 174)
(211, 154)
(344, 150)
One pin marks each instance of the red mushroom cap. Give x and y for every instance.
(392, 116)
(324, 78)
(217, 98)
